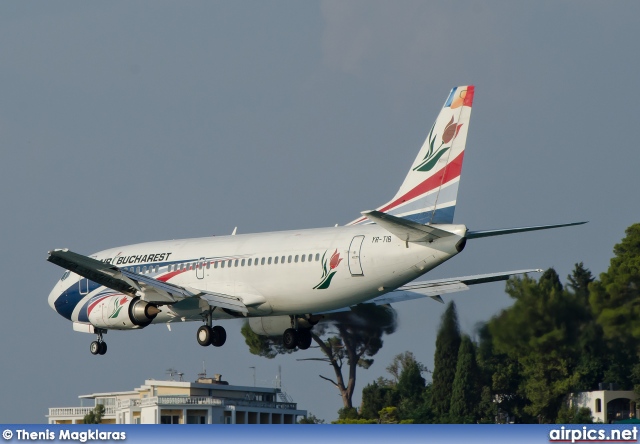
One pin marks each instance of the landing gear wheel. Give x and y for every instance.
(94, 348)
(290, 338)
(204, 335)
(103, 348)
(304, 339)
(218, 336)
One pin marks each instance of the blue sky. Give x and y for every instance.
(124, 122)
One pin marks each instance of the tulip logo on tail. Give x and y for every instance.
(432, 157)
(117, 307)
(327, 273)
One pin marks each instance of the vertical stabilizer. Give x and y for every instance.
(428, 193)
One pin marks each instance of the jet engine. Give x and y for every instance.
(120, 312)
(276, 325)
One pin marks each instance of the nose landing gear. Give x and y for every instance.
(98, 347)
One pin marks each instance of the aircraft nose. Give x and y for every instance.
(53, 296)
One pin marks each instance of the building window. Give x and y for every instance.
(598, 405)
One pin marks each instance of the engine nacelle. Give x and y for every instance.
(120, 312)
(275, 325)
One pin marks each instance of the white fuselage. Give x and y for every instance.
(290, 272)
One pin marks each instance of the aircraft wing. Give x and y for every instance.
(435, 288)
(134, 284)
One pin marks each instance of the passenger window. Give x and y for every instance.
(137, 269)
(317, 257)
(282, 260)
(269, 261)
(236, 263)
(242, 263)
(208, 265)
(275, 260)
(289, 259)
(215, 265)
(302, 258)
(222, 264)
(262, 261)
(296, 259)
(310, 257)
(249, 262)
(229, 263)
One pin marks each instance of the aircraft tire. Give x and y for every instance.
(204, 335)
(94, 348)
(290, 338)
(218, 336)
(304, 339)
(103, 348)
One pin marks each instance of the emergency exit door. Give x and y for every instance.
(355, 266)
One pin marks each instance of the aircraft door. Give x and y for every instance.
(200, 268)
(355, 267)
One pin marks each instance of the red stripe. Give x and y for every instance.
(468, 98)
(91, 307)
(449, 172)
(168, 276)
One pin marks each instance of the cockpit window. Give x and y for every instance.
(65, 275)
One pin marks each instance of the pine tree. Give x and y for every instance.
(445, 363)
(465, 395)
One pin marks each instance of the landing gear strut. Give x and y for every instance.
(208, 335)
(98, 347)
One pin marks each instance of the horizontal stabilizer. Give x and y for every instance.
(487, 233)
(406, 230)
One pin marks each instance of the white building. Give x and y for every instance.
(607, 405)
(206, 401)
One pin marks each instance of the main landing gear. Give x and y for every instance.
(215, 336)
(301, 338)
(98, 347)
(208, 335)
(296, 336)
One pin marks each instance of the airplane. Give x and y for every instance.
(285, 282)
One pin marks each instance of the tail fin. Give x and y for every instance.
(428, 193)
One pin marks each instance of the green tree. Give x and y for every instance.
(445, 363)
(465, 396)
(376, 396)
(615, 297)
(540, 331)
(95, 415)
(310, 419)
(348, 339)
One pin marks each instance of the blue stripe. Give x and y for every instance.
(67, 302)
(441, 216)
(450, 98)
